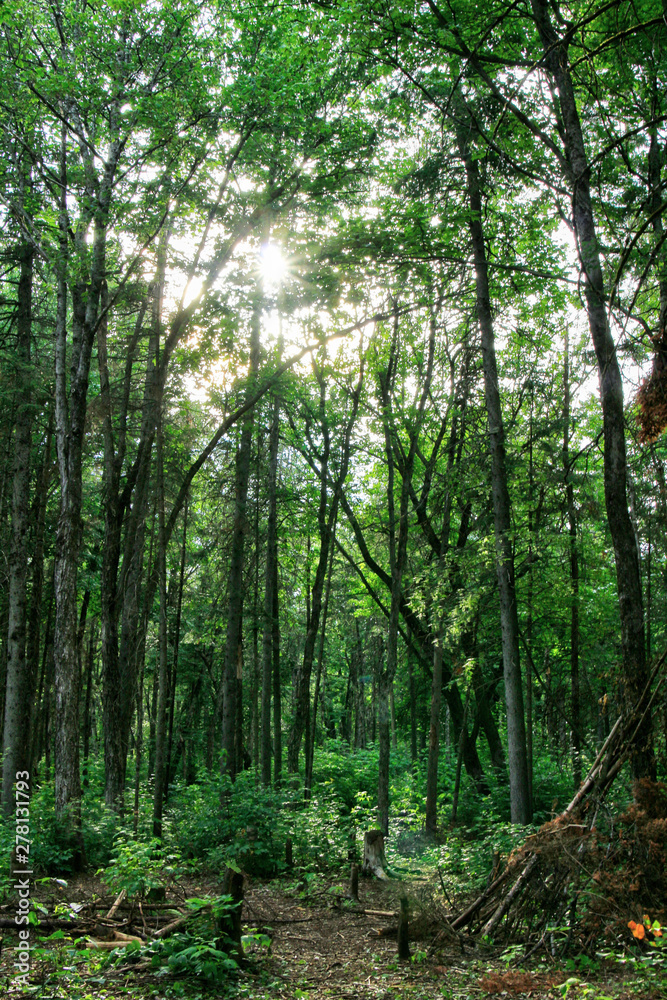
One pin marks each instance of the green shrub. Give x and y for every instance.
(200, 950)
(139, 867)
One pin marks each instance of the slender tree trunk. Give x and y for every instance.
(277, 692)
(271, 563)
(171, 771)
(43, 690)
(529, 621)
(413, 703)
(516, 728)
(310, 746)
(648, 591)
(326, 520)
(575, 695)
(163, 650)
(301, 724)
(71, 397)
(431, 823)
(139, 747)
(37, 593)
(121, 597)
(20, 679)
(230, 763)
(88, 702)
(611, 389)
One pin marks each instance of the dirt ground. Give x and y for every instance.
(313, 944)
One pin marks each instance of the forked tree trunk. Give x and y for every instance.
(326, 519)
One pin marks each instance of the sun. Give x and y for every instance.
(273, 265)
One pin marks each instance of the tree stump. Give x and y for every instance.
(230, 924)
(353, 891)
(374, 859)
(402, 934)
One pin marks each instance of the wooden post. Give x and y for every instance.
(353, 891)
(403, 929)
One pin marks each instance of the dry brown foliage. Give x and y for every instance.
(516, 983)
(652, 399)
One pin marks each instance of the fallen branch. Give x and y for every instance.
(176, 925)
(120, 941)
(119, 899)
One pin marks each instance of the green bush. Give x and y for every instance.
(200, 950)
(137, 867)
(243, 823)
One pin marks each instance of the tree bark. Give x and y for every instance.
(277, 692)
(431, 822)
(70, 423)
(310, 746)
(171, 769)
(163, 680)
(628, 577)
(270, 580)
(516, 729)
(575, 694)
(20, 679)
(230, 764)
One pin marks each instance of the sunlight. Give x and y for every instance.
(273, 265)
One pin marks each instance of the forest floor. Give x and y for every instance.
(321, 948)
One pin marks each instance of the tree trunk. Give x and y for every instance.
(20, 679)
(516, 729)
(277, 693)
(431, 822)
(575, 698)
(326, 520)
(37, 594)
(271, 563)
(70, 421)
(171, 770)
(163, 680)
(230, 763)
(88, 702)
(611, 390)
(413, 703)
(310, 746)
(118, 681)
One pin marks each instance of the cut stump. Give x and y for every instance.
(374, 859)
(403, 933)
(353, 890)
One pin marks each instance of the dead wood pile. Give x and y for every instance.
(98, 926)
(576, 882)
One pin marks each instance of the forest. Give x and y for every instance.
(333, 497)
